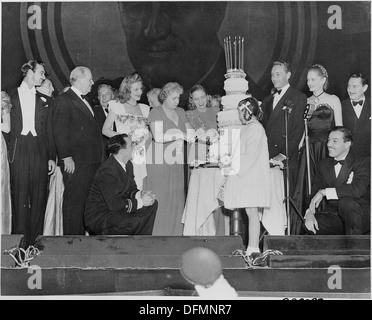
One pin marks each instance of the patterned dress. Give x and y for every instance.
(128, 123)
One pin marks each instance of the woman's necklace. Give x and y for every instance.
(316, 100)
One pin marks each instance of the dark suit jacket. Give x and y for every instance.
(113, 190)
(43, 124)
(359, 188)
(101, 118)
(361, 128)
(274, 123)
(76, 132)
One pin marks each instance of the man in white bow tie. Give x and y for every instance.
(31, 154)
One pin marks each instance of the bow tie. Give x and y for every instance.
(106, 110)
(355, 103)
(278, 91)
(84, 97)
(341, 162)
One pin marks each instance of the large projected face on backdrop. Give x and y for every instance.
(172, 41)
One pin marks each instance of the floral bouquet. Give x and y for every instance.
(139, 137)
(212, 136)
(225, 164)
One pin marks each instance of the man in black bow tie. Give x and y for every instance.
(343, 181)
(274, 121)
(78, 140)
(356, 114)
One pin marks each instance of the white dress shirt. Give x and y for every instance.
(138, 194)
(27, 99)
(77, 91)
(277, 96)
(104, 110)
(358, 108)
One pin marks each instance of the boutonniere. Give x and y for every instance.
(45, 104)
(351, 176)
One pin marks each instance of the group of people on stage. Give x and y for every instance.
(120, 178)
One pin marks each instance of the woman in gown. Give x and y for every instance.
(169, 126)
(202, 117)
(324, 113)
(6, 208)
(128, 116)
(248, 176)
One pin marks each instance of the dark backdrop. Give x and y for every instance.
(92, 34)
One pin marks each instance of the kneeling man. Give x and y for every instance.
(344, 181)
(115, 206)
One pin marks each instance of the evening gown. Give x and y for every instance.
(320, 123)
(6, 209)
(164, 179)
(127, 123)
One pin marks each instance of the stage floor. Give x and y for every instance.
(310, 267)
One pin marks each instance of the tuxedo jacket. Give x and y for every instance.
(43, 124)
(101, 118)
(112, 191)
(274, 123)
(360, 128)
(353, 180)
(77, 133)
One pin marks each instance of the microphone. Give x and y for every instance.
(306, 112)
(288, 105)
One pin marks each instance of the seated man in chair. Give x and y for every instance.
(115, 206)
(343, 180)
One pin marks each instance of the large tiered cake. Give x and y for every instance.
(235, 87)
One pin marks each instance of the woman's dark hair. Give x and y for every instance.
(249, 107)
(116, 143)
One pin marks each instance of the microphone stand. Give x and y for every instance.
(287, 199)
(307, 156)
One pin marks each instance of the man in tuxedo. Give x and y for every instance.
(274, 118)
(356, 114)
(31, 153)
(45, 92)
(105, 95)
(343, 180)
(115, 206)
(78, 140)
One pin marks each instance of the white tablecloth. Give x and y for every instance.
(198, 217)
